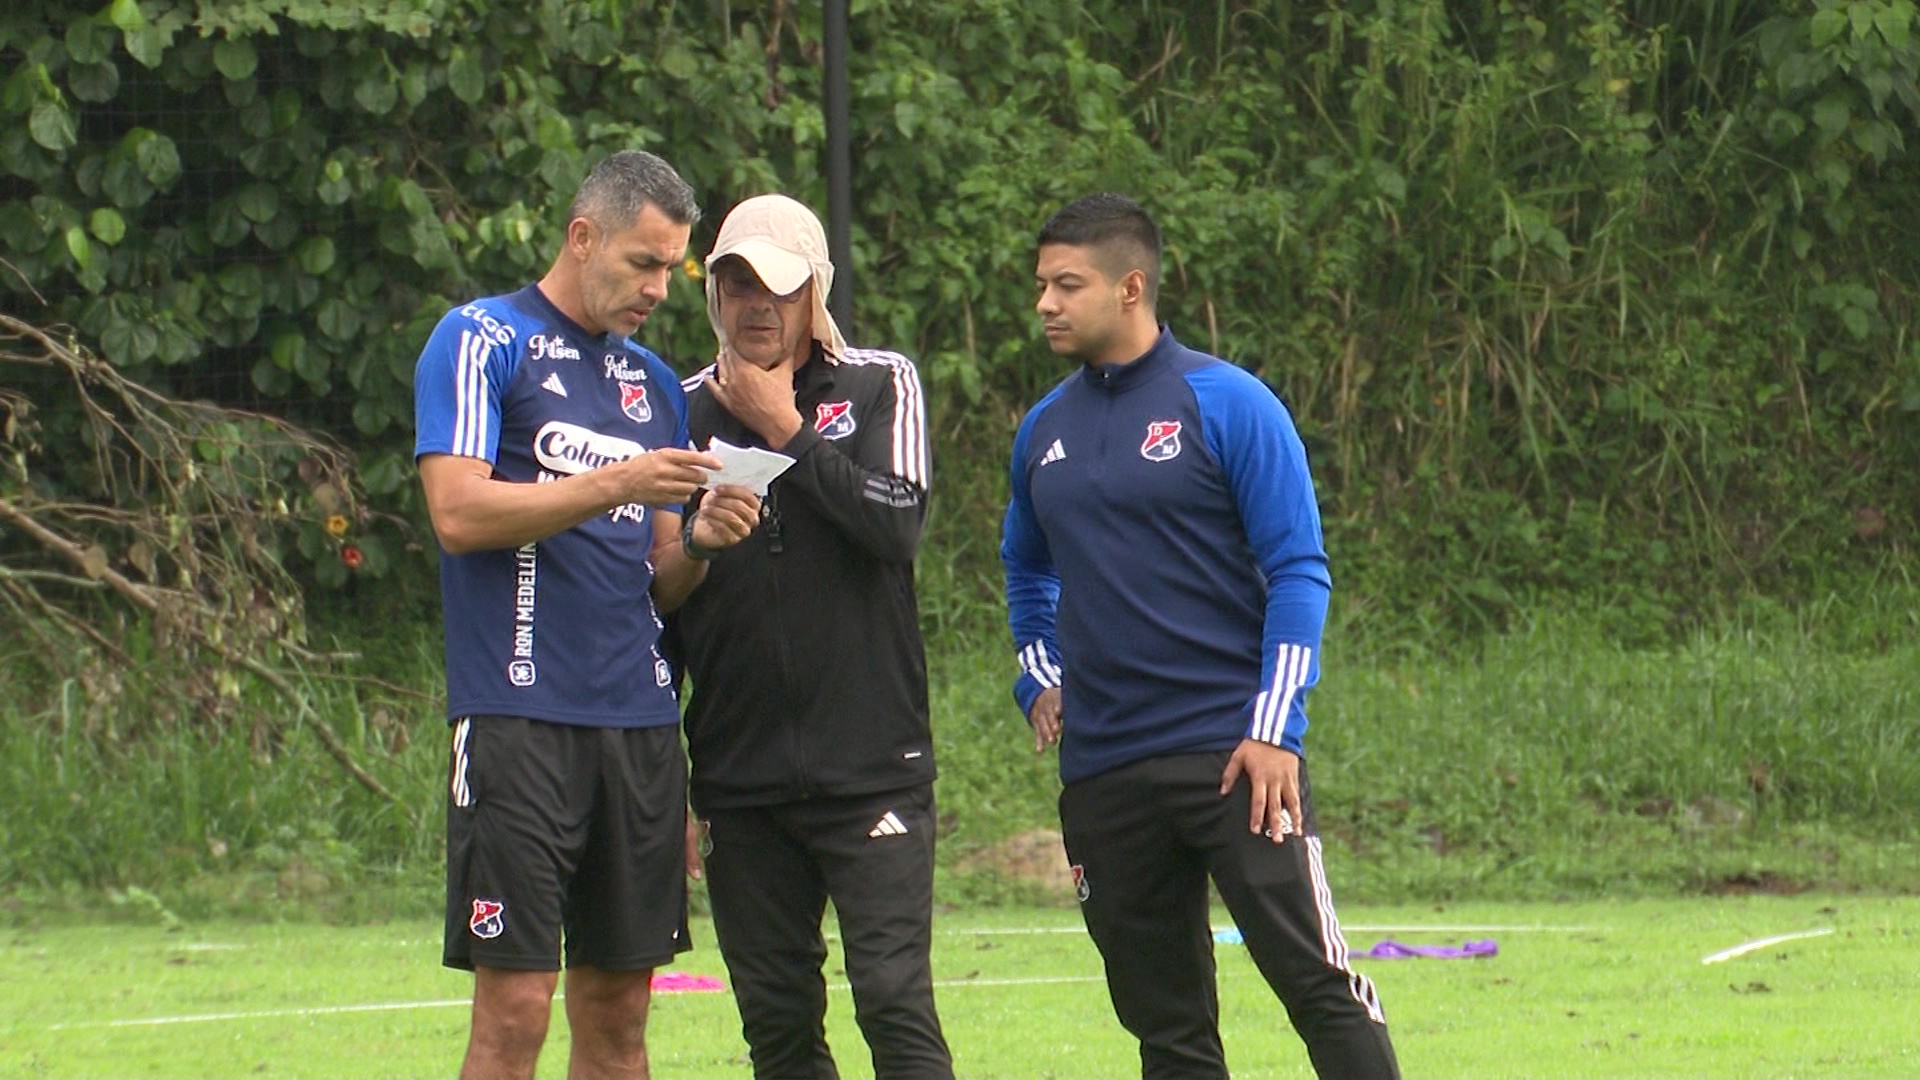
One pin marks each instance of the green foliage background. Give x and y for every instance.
(1593, 296)
(1597, 316)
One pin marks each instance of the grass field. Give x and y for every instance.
(1605, 795)
(1587, 989)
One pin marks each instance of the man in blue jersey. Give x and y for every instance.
(1166, 585)
(555, 458)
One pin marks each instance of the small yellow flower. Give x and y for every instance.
(692, 267)
(336, 524)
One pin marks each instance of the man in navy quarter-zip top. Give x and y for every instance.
(1166, 586)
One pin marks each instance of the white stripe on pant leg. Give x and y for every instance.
(462, 796)
(1332, 946)
(1335, 942)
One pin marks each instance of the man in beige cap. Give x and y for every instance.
(812, 756)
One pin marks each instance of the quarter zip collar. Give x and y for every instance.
(817, 372)
(1118, 378)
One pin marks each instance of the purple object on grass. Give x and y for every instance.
(1395, 950)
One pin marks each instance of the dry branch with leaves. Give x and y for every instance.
(166, 514)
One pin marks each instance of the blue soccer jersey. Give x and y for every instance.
(1164, 563)
(563, 629)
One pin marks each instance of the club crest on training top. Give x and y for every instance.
(1162, 442)
(633, 402)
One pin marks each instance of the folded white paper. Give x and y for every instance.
(748, 466)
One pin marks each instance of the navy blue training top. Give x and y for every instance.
(563, 629)
(1164, 564)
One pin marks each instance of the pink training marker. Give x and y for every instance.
(675, 982)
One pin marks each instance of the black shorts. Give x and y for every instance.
(560, 830)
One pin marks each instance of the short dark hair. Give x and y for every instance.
(1121, 228)
(623, 184)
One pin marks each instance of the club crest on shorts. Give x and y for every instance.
(1162, 442)
(633, 402)
(1081, 889)
(489, 919)
(833, 419)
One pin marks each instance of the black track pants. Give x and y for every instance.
(1144, 839)
(770, 872)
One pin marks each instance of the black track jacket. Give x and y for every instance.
(803, 643)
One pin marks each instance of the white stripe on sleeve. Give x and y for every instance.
(909, 427)
(460, 424)
(1035, 662)
(1292, 664)
(470, 396)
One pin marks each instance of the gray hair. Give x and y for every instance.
(623, 184)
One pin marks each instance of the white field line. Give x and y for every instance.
(447, 1003)
(1761, 943)
(1469, 928)
(1461, 928)
(1031, 980)
(263, 1014)
(399, 1006)
(1009, 931)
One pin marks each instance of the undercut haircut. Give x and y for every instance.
(623, 184)
(1120, 232)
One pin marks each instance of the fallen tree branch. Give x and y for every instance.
(180, 511)
(142, 597)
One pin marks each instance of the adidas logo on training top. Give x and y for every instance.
(889, 825)
(553, 385)
(1054, 453)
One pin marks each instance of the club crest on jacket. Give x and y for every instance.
(1162, 442)
(833, 419)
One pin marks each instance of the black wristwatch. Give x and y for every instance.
(694, 551)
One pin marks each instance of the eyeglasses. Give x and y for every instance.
(746, 286)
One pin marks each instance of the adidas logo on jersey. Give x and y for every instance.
(889, 825)
(553, 385)
(1054, 453)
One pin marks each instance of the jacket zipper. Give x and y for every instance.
(1099, 469)
(776, 544)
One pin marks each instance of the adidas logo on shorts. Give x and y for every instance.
(888, 825)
